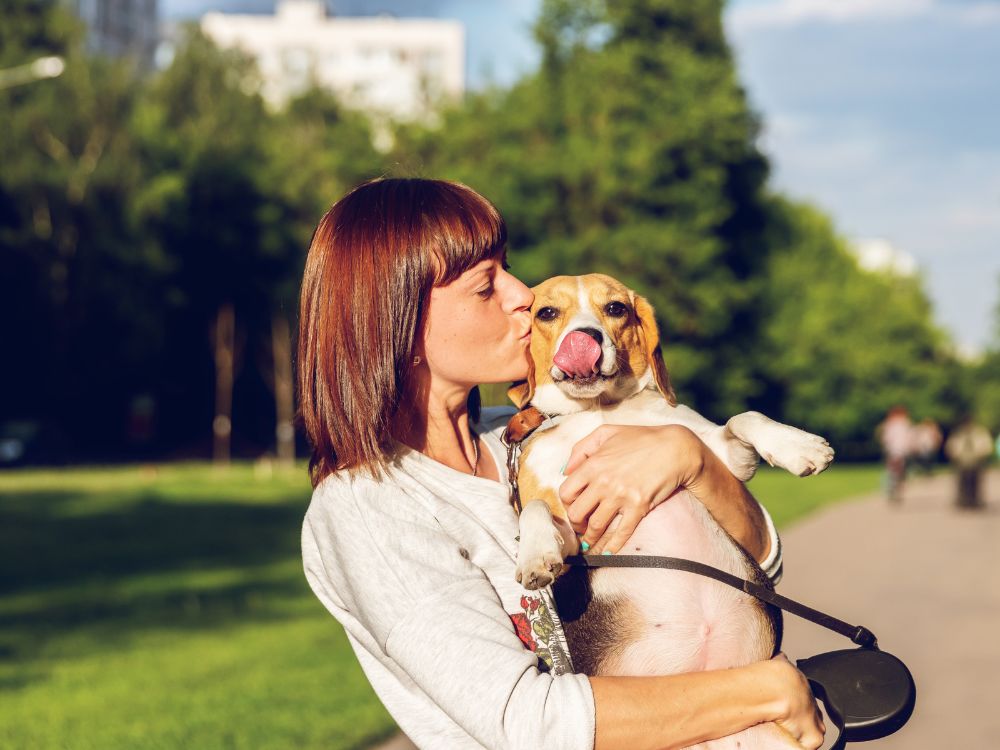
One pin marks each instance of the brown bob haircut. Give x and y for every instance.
(372, 263)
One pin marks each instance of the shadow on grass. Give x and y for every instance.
(40, 547)
(98, 577)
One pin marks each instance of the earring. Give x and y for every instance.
(416, 360)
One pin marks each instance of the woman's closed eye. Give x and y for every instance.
(487, 291)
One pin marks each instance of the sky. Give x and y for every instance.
(884, 113)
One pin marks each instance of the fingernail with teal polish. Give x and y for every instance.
(563, 469)
(607, 552)
(584, 546)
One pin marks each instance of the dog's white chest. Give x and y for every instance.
(551, 448)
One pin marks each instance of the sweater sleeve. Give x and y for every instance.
(773, 564)
(459, 646)
(397, 581)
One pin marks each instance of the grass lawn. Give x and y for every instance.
(166, 608)
(788, 498)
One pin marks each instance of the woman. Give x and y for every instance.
(410, 541)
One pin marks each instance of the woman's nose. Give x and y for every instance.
(519, 297)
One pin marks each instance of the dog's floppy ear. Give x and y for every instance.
(523, 391)
(650, 336)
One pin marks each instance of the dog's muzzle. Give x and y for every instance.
(584, 354)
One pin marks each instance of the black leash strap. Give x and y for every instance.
(857, 633)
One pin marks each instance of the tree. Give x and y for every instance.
(317, 152)
(632, 152)
(841, 345)
(236, 190)
(984, 382)
(68, 167)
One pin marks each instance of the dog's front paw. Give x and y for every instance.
(798, 452)
(537, 568)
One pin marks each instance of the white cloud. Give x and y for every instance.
(793, 12)
(878, 254)
(787, 13)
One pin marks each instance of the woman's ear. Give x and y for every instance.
(650, 337)
(523, 391)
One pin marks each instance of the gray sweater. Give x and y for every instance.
(419, 570)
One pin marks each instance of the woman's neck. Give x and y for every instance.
(439, 428)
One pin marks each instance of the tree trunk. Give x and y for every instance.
(222, 425)
(284, 399)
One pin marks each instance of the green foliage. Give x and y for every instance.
(841, 346)
(36, 28)
(131, 209)
(68, 170)
(630, 152)
(983, 380)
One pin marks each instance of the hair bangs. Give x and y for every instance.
(466, 229)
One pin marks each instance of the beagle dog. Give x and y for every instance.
(595, 359)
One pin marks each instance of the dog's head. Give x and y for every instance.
(593, 340)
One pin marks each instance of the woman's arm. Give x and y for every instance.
(614, 471)
(681, 710)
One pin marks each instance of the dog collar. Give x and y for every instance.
(520, 427)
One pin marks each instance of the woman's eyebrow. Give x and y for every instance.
(478, 271)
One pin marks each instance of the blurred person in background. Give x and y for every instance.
(895, 436)
(927, 440)
(968, 448)
(409, 540)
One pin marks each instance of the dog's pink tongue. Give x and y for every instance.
(578, 355)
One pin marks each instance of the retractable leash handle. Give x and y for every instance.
(868, 693)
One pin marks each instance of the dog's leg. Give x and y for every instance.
(540, 552)
(738, 455)
(782, 445)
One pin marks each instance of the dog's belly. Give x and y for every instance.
(668, 621)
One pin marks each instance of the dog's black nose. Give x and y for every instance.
(594, 334)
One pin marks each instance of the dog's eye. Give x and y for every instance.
(547, 313)
(616, 310)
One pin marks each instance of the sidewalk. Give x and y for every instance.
(926, 580)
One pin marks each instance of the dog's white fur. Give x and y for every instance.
(675, 624)
(740, 443)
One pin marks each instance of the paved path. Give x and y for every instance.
(926, 580)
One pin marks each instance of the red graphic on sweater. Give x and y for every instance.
(523, 628)
(536, 629)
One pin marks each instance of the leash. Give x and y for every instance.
(858, 634)
(868, 693)
(530, 419)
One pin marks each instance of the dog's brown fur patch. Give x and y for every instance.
(597, 630)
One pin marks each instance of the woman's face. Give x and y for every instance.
(478, 327)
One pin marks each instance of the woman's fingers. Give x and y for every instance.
(599, 522)
(583, 506)
(572, 487)
(616, 536)
(589, 446)
(803, 720)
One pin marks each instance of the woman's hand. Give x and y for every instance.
(626, 471)
(796, 710)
